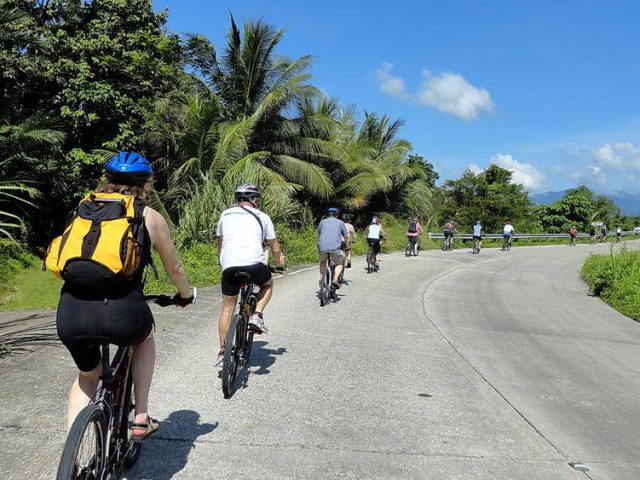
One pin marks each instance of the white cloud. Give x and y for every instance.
(451, 93)
(609, 168)
(523, 174)
(475, 168)
(618, 156)
(390, 84)
(447, 92)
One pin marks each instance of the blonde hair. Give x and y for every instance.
(141, 192)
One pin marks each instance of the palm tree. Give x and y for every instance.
(19, 143)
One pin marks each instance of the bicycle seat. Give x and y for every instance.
(243, 277)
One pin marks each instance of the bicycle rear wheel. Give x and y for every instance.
(369, 262)
(248, 342)
(84, 453)
(407, 250)
(231, 361)
(325, 289)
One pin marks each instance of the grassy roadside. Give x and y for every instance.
(25, 286)
(615, 277)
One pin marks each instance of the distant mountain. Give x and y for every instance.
(627, 202)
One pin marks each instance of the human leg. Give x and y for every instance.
(226, 312)
(82, 390)
(142, 366)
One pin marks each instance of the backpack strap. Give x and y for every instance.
(257, 220)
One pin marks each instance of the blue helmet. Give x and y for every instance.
(129, 168)
(333, 211)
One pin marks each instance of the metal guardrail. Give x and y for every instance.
(469, 236)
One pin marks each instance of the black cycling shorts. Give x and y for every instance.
(259, 272)
(85, 322)
(412, 238)
(448, 233)
(375, 244)
(479, 237)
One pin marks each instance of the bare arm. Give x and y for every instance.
(161, 240)
(277, 252)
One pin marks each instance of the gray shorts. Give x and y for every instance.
(337, 256)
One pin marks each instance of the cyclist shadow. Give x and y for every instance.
(263, 358)
(167, 452)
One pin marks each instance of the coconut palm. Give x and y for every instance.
(19, 148)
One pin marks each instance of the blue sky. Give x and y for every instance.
(548, 89)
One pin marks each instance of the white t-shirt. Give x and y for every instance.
(507, 228)
(242, 237)
(374, 231)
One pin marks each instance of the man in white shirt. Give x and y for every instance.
(508, 231)
(241, 231)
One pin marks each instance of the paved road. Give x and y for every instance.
(449, 365)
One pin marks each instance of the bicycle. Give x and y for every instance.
(476, 245)
(371, 260)
(448, 244)
(327, 289)
(411, 248)
(106, 420)
(506, 244)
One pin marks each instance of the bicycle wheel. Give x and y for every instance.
(248, 342)
(407, 250)
(369, 262)
(325, 291)
(508, 246)
(131, 448)
(416, 249)
(232, 347)
(84, 453)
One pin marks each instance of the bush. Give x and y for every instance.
(616, 279)
(13, 260)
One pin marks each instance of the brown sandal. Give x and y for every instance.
(150, 428)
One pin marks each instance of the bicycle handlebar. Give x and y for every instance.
(166, 300)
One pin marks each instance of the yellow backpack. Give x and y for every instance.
(104, 244)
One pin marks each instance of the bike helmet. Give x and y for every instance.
(246, 192)
(376, 220)
(129, 168)
(477, 222)
(333, 211)
(344, 217)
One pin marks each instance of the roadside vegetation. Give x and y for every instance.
(615, 278)
(82, 80)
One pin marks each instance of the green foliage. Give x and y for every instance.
(577, 207)
(13, 259)
(616, 279)
(488, 196)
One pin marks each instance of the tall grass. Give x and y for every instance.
(615, 277)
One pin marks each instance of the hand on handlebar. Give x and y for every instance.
(181, 302)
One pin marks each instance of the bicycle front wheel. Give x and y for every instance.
(84, 453)
(232, 348)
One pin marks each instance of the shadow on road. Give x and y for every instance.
(167, 452)
(22, 334)
(263, 357)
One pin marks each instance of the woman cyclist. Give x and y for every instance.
(86, 318)
(375, 234)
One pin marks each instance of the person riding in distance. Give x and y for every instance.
(375, 234)
(448, 230)
(477, 233)
(87, 318)
(508, 231)
(241, 231)
(351, 237)
(414, 230)
(331, 232)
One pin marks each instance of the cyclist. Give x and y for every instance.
(618, 233)
(573, 231)
(477, 233)
(592, 233)
(86, 318)
(375, 234)
(605, 231)
(413, 231)
(242, 231)
(448, 230)
(508, 231)
(351, 237)
(331, 232)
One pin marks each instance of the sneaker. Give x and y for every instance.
(349, 264)
(336, 285)
(220, 359)
(256, 323)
